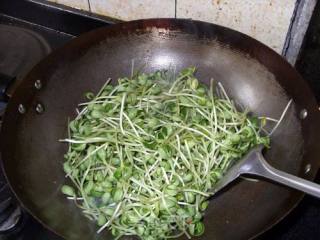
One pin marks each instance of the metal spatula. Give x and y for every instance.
(254, 164)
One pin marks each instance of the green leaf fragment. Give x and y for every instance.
(67, 190)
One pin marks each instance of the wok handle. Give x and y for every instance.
(265, 170)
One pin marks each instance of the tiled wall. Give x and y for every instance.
(265, 20)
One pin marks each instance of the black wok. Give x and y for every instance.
(253, 75)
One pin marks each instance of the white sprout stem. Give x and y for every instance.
(223, 91)
(196, 191)
(111, 219)
(281, 118)
(75, 198)
(91, 140)
(131, 124)
(269, 119)
(185, 204)
(182, 94)
(132, 67)
(165, 175)
(121, 113)
(89, 155)
(194, 130)
(83, 111)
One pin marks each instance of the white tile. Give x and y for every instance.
(134, 9)
(265, 20)
(79, 4)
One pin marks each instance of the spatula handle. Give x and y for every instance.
(267, 171)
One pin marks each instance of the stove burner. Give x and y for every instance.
(20, 50)
(11, 221)
(10, 212)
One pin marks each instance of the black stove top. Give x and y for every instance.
(30, 30)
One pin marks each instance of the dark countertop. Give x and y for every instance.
(308, 61)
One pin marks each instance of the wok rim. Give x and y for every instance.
(153, 22)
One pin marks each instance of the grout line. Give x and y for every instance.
(175, 8)
(89, 5)
(292, 20)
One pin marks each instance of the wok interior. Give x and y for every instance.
(35, 165)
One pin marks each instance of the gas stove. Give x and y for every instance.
(29, 31)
